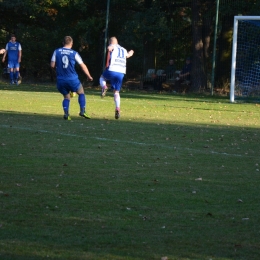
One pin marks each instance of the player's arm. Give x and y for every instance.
(83, 65)
(108, 59)
(3, 59)
(184, 74)
(20, 53)
(130, 54)
(6, 50)
(85, 69)
(111, 47)
(53, 64)
(19, 56)
(53, 60)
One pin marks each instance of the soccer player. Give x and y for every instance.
(14, 52)
(64, 59)
(102, 80)
(115, 71)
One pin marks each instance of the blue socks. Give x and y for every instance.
(16, 75)
(82, 103)
(66, 106)
(11, 76)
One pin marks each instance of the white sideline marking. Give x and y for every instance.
(115, 140)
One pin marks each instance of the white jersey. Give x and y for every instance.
(117, 61)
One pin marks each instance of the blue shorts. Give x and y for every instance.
(13, 64)
(65, 86)
(115, 78)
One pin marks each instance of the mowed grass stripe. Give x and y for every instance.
(177, 146)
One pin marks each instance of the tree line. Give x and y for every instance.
(156, 29)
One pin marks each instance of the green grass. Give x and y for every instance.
(175, 176)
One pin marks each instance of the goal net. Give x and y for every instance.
(245, 71)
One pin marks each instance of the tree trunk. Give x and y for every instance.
(198, 76)
(207, 31)
(149, 47)
(223, 64)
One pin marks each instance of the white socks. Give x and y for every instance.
(117, 99)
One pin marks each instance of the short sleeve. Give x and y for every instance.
(78, 58)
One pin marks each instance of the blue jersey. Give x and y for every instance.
(65, 60)
(13, 49)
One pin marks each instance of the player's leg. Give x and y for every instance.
(16, 72)
(117, 83)
(19, 78)
(11, 67)
(62, 88)
(102, 81)
(82, 101)
(117, 103)
(12, 76)
(66, 106)
(74, 91)
(103, 84)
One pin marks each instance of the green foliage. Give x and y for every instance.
(166, 25)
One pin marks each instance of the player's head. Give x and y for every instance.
(67, 41)
(12, 38)
(113, 40)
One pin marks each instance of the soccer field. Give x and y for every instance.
(176, 177)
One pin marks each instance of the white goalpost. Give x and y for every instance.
(245, 66)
